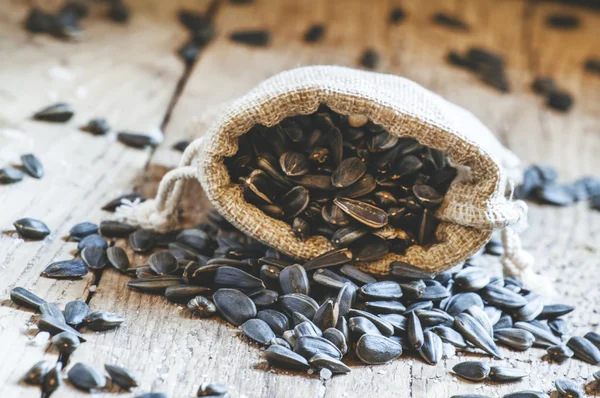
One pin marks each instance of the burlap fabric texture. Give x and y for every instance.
(475, 205)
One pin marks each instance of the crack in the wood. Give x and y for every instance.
(210, 14)
(412, 379)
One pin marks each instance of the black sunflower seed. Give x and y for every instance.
(559, 353)
(562, 21)
(301, 228)
(94, 257)
(81, 230)
(364, 213)
(212, 390)
(117, 257)
(450, 21)
(31, 228)
(122, 377)
(35, 375)
(568, 388)
(85, 377)
(163, 263)
(348, 172)
(137, 140)
(92, 240)
(100, 321)
(8, 175)
(314, 34)
(55, 113)
(584, 349)
(472, 370)
(235, 278)
(115, 229)
(473, 332)
(142, 240)
(119, 12)
(182, 294)
(68, 269)
(32, 165)
(234, 306)
(258, 38)
(258, 331)
(201, 306)
(97, 126)
(293, 164)
(295, 201)
(369, 59)
(65, 343)
(24, 297)
(281, 357)
(330, 259)
(75, 311)
(52, 380)
(373, 349)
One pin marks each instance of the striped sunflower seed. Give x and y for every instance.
(431, 350)
(31, 228)
(568, 389)
(543, 338)
(415, 330)
(32, 165)
(100, 321)
(85, 377)
(559, 353)
(234, 306)
(24, 297)
(517, 339)
(75, 311)
(117, 257)
(374, 349)
(35, 375)
(281, 357)
(309, 346)
(584, 349)
(201, 306)
(471, 279)
(293, 279)
(505, 374)
(324, 361)
(122, 377)
(473, 332)
(81, 230)
(69, 269)
(472, 370)
(257, 331)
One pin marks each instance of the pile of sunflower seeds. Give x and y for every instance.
(345, 178)
(312, 315)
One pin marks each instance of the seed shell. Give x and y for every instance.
(374, 350)
(35, 375)
(24, 297)
(584, 349)
(8, 175)
(281, 357)
(85, 377)
(69, 269)
(473, 332)
(117, 257)
(94, 257)
(122, 377)
(32, 165)
(30, 228)
(81, 230)
(472, 370)
(258, 331)
(100, 321)
(234, 306)
(58, 113)
(75, 311)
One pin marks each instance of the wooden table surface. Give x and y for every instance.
(131, 75)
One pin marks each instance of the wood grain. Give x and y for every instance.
(174, 352)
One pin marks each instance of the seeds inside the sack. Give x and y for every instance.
(346, 178)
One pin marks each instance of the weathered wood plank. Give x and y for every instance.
(127, 74)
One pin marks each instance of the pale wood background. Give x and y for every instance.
(131, 75)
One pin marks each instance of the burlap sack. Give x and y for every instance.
(473, 208)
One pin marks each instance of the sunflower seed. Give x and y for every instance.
(92, 240)
(59, 113)
(568, 389)
(362, 212)
(450, 336)
(543, 338)
(329, 279)
(554, 311)
(337, 338)
(502, 297)
(384, 327)
(472, 370)
(8, 175)
(327, 315)
(212, 390)
(154, 284)
(281, 357)
(558, 326)
(434, 317)
(231, 277)
(100, 321)
(30, 228)
(66, 343)
(85, 377)
(407, 271)
(293, 164)
(52, 380)
(505, 322)
(115, 229)
(503, 373)
(517, 339)
(385, 290)
(55, 326)
(32, 165)
(35, 375)
(141, 240)
(201, 306)
(415, 330)
(471, 279)
(330, 259)
(298, 302)
(597, 375)
(431, 350)
(293, 279)
(308, 346)
(277, 321)
(374, 350)
(527, 394)
(94, 257)
(122, 377)
(386, 307)
(81, 230)
(584, 349)
(69, 269)
(593, 337)
(473, 332)
(117, 257)
(301, 228)
(534, 306)
(345, 298)
(459, 302)
(97, 126)
(150, 394)
(75, 311)
(480, 316)
(559, 353)
(163, 263)
(234, 306)
(257, 331)
(182, 294)
(137, 140)
(24, 297)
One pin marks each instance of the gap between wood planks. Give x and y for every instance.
(210, 13)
